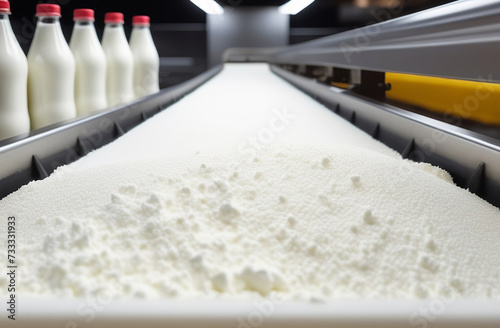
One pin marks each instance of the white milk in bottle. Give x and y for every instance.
(90, 81)
(51, 71)
(14, 118)
(146, 59)
(119, 87)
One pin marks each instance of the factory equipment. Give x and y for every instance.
(442, 42)
(457, 41)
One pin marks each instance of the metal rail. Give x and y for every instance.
(459, 40)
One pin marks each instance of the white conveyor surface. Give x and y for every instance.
(241, 102)
(244, 101)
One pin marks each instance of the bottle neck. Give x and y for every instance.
(48, 19)
(141, 27)
(84, 22)
(4, 17)
(114, 25)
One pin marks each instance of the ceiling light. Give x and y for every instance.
(362, 3)
(293, 7)
(209, 6)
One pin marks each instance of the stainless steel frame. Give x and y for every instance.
(459, 40)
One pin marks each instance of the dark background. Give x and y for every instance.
(179, 28)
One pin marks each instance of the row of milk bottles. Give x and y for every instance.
(58, 82)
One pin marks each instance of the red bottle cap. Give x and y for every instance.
(4, 7)
(114, 18)
(140, 20)
(83, 14)
(46, 9)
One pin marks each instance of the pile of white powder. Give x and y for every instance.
(300, 216)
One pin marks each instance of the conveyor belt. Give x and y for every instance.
(226, 113)
(201, 122)
(244, 101)
(242, 109)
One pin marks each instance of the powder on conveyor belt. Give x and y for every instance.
(310, 223)
(245, 188)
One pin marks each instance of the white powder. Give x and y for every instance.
(345, 220)
(300, 228)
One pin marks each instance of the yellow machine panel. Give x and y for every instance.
(478, 101)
